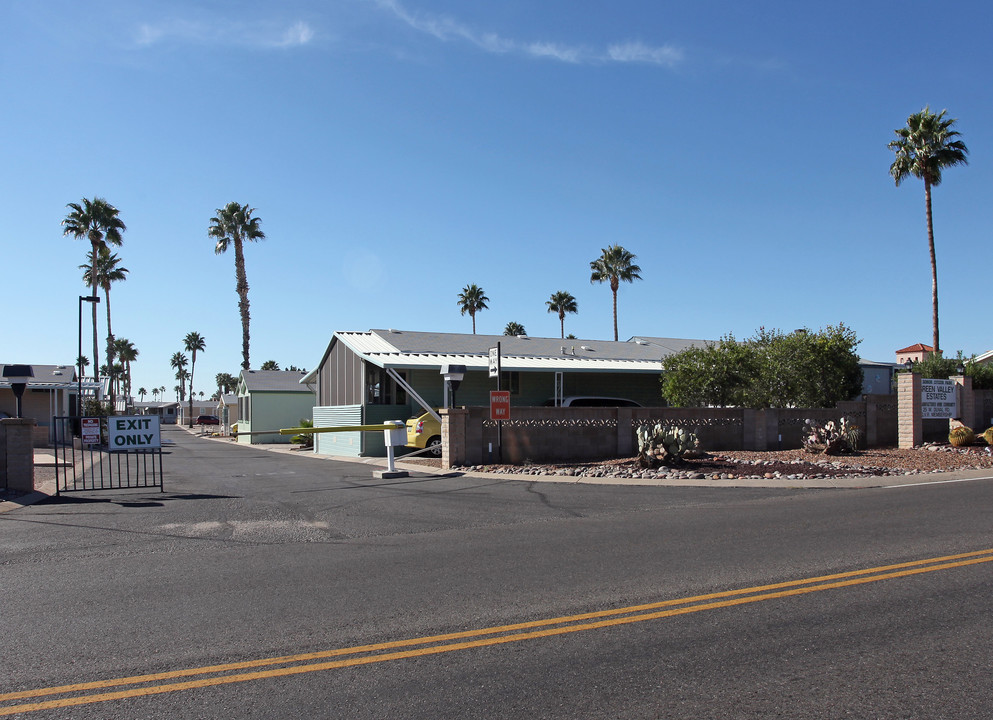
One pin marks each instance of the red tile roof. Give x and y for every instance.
(919, 347)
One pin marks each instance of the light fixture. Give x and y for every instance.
(18, 376)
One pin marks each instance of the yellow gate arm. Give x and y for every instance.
(340, 428)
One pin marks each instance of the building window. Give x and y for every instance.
(381, 389)
(511, 380)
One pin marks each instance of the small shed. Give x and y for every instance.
(269, 400)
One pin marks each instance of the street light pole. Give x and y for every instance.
(79, 357)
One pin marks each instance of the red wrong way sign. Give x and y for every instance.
(499, 405)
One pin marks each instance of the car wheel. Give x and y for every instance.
(434, 446)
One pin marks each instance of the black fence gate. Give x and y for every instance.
(85, 461)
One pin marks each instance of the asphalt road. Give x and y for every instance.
(271, 585)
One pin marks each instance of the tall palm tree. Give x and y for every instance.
(179, 361)
(142, 392)
(127, 353)
(923, 149)
(182, 374)
(155, 394)
(562, 302)
(233, 225)
(472, 300)
(97, 221)
(193, 342)
(108, 270)
(614, 265)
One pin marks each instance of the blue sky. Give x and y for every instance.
(397, 150)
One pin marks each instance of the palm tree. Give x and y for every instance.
(514, 329)
(178, 361)
(97, 221)
(562, 302)
(155, 394)
(923, 149)
(107, 272)
(226, 382)
(142, 392)
(126, 353)
(472, 300)
(193, 342)
(614, 265)
(233, 225)
(270, 365)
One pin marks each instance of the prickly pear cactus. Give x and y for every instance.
(663, 444)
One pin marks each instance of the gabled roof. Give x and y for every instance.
(50, 377)
(985, 357)
(410, 350)
(919, 347)
(273, 381)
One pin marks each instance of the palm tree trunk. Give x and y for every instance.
(193, 367)
(562, 324)
(615, 313)
(242, 286)
(110, 341)
(934, 266)
(96, 359)
(473, 316)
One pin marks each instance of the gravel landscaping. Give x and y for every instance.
(789, 464)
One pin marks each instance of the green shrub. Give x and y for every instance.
(304, 439)
(962, 436)
(988, 436)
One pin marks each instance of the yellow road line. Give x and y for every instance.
(567, 624)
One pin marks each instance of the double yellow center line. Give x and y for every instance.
(157, 683)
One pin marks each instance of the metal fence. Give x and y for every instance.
(87, 466)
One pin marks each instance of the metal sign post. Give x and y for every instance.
(496, 362)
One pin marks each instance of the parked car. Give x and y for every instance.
(424, 431)
(207, 420)
(593, 401)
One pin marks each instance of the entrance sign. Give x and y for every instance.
(139, 432)
(90, 431)
(938, 399)
(499, 405)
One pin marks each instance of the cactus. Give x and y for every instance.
(961, 436)
(663, 444)
(832, 438)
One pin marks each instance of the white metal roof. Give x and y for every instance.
(412, 350)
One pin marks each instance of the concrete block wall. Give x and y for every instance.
(17, 454)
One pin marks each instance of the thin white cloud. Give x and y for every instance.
(448, 29)
(219, 32)
(636, 52)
